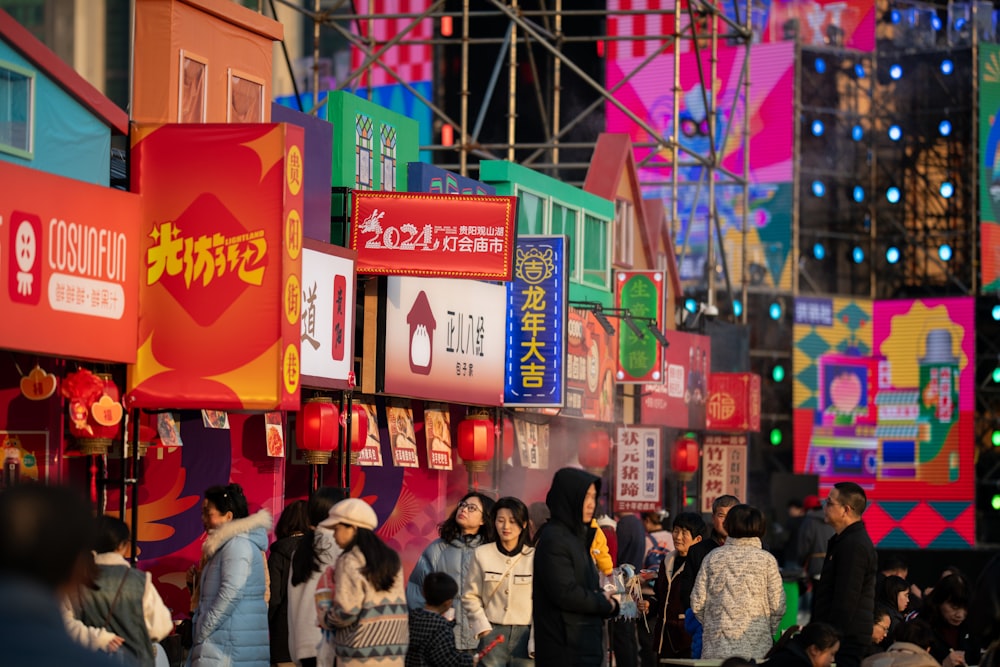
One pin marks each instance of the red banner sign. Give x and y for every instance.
(221, 266)
(680, 401)
(68, 272)
(450, 236)
(733, 402)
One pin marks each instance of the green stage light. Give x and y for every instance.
(995, 438)
(995, 502)
(778, 373)
(776, 436)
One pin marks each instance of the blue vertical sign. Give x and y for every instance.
(534, 373)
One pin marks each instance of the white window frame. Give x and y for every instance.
(237, 74)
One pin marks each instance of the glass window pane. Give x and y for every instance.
(530, 213)
(15, 110)
(564, 221)
(595, 252)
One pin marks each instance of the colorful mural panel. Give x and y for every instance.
(884, 397)
(989, 171)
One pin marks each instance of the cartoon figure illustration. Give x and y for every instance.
(422, 325)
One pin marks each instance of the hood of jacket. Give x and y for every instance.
(255, 528)
(566, 496)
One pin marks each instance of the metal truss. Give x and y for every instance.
(538, 66)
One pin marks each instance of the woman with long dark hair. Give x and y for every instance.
(893, 595)
(466, 528)
(946, 610)
(291, 527)
(814, 646)
(368, 612)
(230, 623)
(315, 552)
(497, 599)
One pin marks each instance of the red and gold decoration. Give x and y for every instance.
(38, 385)
(595, 451)
(733, 402)
(476, 441)
(95, 410)
(317, 429)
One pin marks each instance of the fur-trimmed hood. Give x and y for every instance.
(255, 527)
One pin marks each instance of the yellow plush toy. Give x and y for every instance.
(599, 550)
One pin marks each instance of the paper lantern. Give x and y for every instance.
(595, 451)
(359, 430)
(95, 410)
(684, 457)
(476, 436)
(317, 429)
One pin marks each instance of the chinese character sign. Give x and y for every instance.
(723, 468)
(733, 402)
(437, 433)
(444, 340)
(640, 359)
(402, 439)
(637, 462)
(327, 319)
(536, 324)
(220, 266)
(450, 236)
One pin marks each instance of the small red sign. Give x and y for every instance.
(450, 236)
(733, 402)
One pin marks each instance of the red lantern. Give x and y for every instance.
(317, 429)
(684, 457)
(595, 451)
(359, 430)
(476, 436)
(95, 410)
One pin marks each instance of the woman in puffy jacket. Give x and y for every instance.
(467, 527)
(747, 601)
(230, 623)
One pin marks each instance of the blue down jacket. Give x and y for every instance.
(230, 624)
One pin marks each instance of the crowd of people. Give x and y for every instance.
(504, 585)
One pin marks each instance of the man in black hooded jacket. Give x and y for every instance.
(570, 606)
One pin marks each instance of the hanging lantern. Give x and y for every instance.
(684, 457)
(476, 436)
(95, 410)
(595, 451)
(317, 429)
(359, 430)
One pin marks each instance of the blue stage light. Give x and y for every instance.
(737, 308)
(947, 66)
(819, 251)
(817, 128)
(857, 133)
(820, 65)
(892, 194)
(895, 72)
(945, 252)
(858, 255)
(892, 254)
(996, 313)
(859, 71)
(774, 310)
(947, 190)
(690, 305)
(859, 194)
(944, 128)
(936, 22)
(818, 188)
(895, 132)
(895, 16)
(960, 24)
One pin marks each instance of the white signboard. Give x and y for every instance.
(723, 468)
(637, 462)
(327, 340)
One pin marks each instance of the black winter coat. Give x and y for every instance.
(569, 606)
(279, 564)
(845, 592)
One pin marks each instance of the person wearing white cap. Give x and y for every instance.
(368, 614)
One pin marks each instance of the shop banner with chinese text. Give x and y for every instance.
(534, 372)
(328, 297)
(639, 294)
(590, 368)
(448, 236)
(733, 402)
(723, 468)
(637, 462)
(680, 401)
(69, 278)
(221, 265)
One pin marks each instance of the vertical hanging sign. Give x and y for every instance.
(534, 373)
(640, 357)
(637, 462)
(723, 468)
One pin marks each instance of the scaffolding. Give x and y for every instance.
(532, 64)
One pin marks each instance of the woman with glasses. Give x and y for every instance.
(466, 528)
(497, 598)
